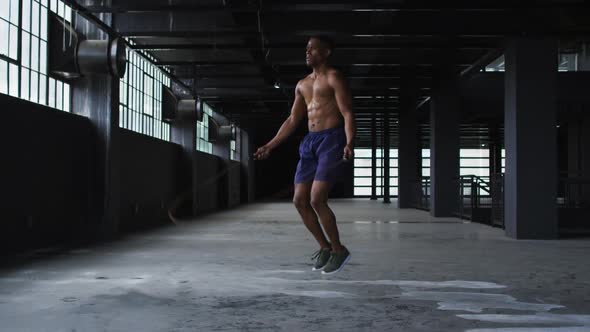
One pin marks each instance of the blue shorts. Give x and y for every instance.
(321, 156)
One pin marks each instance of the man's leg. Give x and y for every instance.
(302, 199)
(319, 202)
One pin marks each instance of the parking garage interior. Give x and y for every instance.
(131, 200)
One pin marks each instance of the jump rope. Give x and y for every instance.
(188, 193)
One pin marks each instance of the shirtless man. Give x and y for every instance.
(324, 96)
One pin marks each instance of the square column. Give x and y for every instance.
(374, 157)
(444, 148)
(409, 151)
(96, 97)
(386, 147)
(530, 188)
(184, 133)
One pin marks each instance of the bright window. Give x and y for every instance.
(363, 172)
(475, 162)
(26, 76)
(140, 97)
(234, 152)
(471, 162)
(203, 143)
(425, 162)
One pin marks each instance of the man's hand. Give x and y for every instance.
(348, 152)
(262, 153)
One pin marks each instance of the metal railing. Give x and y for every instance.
(573, 198)
(574, 192)
(483, 201)
(474, 195)
(421, 193)
(497, 193)
(573, 202)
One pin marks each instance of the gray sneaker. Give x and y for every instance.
(336, 262)
(321, 256)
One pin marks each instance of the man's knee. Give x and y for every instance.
(301, 202)
(318, 202)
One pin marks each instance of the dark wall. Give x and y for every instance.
(152, 177)
(274, 176)
(49, 180)
(233, 183)
(47, 174)
(209, 175)
(247, 176)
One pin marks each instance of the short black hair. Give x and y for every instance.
(326, 40)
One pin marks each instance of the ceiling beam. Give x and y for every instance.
(129, 6)
(299, 63)
(350, 72)
(446, 23)
(395, 46)
(237, 82)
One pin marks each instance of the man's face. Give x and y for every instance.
(315, 53)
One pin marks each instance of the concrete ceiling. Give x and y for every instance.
(233, 52)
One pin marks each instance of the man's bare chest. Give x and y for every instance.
(316, 90)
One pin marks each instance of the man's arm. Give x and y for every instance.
(344, 101)
(298, 112)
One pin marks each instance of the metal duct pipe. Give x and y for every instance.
(101, 57)
(180, 110)
(218, 133)
(187, 109)
(225, 132)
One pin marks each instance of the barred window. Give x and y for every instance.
(140, 96)
(203, 143)
(232, 151)
(25, 75)
(472, 162)
(363, 172)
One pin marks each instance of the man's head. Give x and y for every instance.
(318, 50)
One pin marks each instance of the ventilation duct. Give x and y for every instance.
(219, 133)
(174, 109)
(102, 57)
(71, 56)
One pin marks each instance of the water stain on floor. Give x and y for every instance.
(475, 302)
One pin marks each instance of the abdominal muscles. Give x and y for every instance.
(323, 115)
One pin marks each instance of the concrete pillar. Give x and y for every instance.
(583, 130)
(386, 147)
(578, 141)
(574, 146)
(530, 138)
(409, 150)
(585, 151)
(444, 147)
(184, 133)
(247, 159)
(374, 157)
(97, 98)
(584, 58)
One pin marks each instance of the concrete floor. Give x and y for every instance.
(249, 269)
